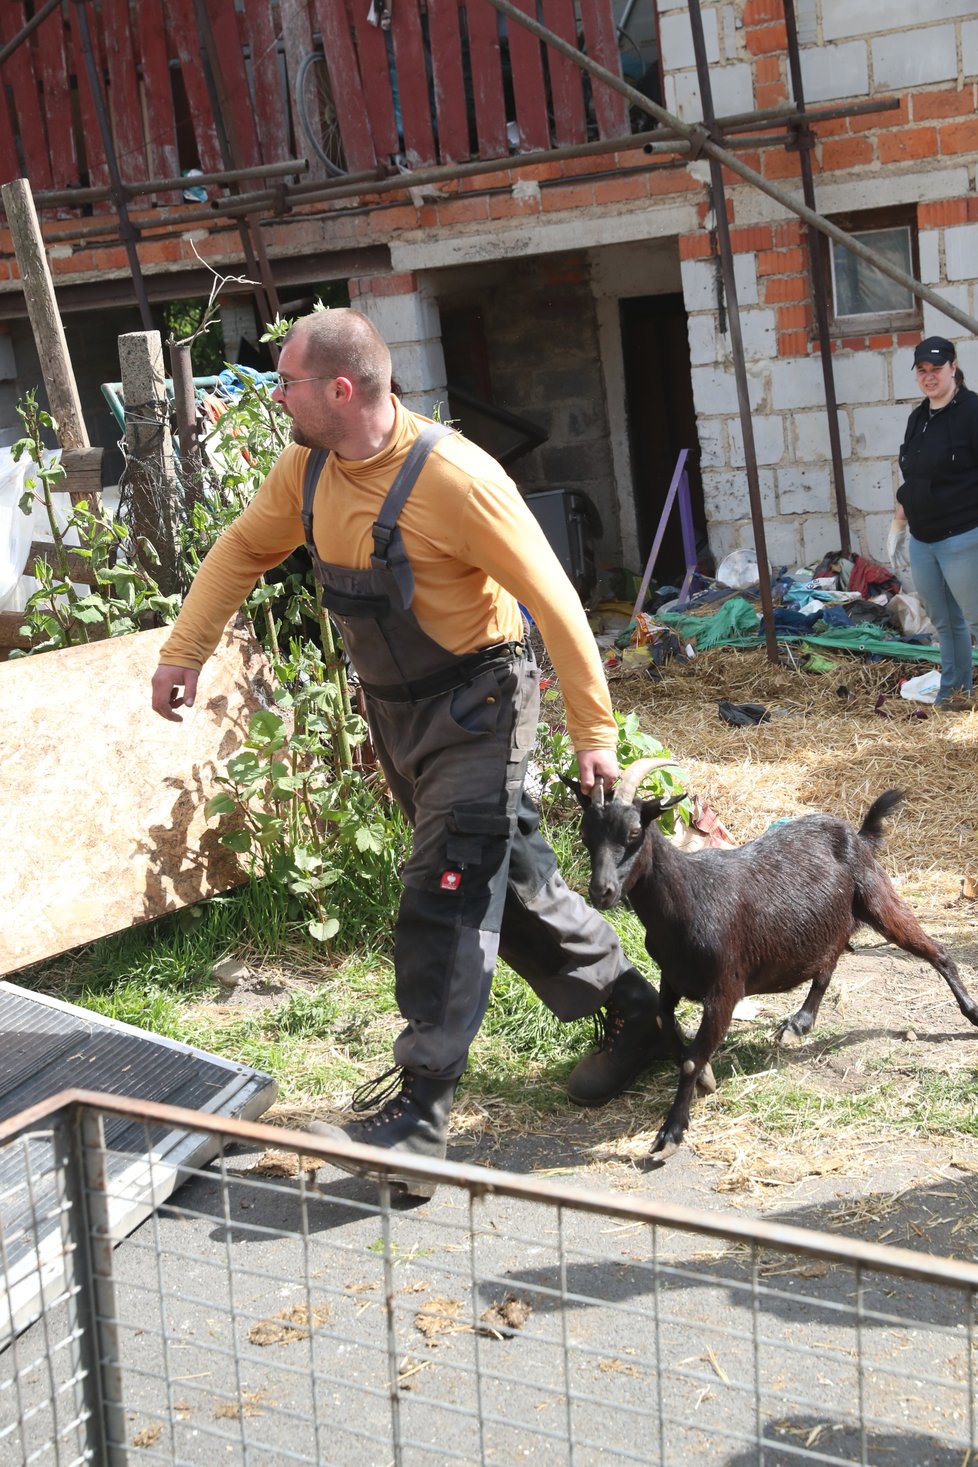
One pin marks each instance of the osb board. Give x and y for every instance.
(103, 820)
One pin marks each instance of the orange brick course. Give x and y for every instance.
(910, 142)
(929, 105)
(769, 94)
(789, 232)
(793, 343)
(762, 40)
(846, 153)
(941, 213)
(614, 190)
(782, 289)
(869, 121)
(788, 318)
(753, 237)
(757, 12)
(781, 262)
(695, 246)
(960, 137)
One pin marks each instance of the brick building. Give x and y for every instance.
(575, 303)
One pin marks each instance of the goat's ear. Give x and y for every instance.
(574, 785)
(652, 809)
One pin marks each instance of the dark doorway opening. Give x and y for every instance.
(661, 421)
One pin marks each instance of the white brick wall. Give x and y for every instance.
(768, 440)
(961, 252)
(912, 58)
(835, 71)
(805, 490)
(867, 17)
(676, 40)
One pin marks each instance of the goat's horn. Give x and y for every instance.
(635, 773)
(597, 792)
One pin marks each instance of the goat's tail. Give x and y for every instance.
(872, 826)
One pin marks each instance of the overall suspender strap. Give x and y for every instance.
(400, 489)
(315, 464)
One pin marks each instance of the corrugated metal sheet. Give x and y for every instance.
(49, 1046)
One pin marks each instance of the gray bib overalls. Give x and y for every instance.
(453, 735)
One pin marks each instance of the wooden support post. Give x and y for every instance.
(185, 404)
(149, 482)
(52, 348)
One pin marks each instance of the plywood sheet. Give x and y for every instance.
(102, 800)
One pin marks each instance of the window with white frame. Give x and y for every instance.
(864, 300)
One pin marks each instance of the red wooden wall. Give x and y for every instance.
(450, 81)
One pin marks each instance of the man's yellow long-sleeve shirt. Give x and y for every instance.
(475, 550)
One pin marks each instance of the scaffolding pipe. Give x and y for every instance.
(818, 269)
(53, 198)
(719, 202)
(703, 142)
(25, 30)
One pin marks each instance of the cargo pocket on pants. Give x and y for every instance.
(435, 943)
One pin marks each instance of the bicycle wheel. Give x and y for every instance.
(317, 113)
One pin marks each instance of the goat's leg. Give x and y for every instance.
(888, 914)
(717, 1012)
(798, 1024)
(674, 1037)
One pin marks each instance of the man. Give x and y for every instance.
(424, 549)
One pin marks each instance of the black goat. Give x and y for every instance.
(761, 918)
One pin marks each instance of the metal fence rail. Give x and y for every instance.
(272, 1313)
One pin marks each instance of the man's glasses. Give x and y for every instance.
(284, 384)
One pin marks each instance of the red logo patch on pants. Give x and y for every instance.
(450, 880)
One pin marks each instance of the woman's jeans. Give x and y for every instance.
(945, 576)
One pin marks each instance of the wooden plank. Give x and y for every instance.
(18, 74)
(42, 308)
(348, 91)
(371, 44)
(122, 92)
(266, 73)
(10, 625)
(83, 475)
(566, 79)
(526, 69)
(9, 157)
(185, 46)
(53, 62)
(299, 42)
(487, 78)
(157, 96)
(91, 136)
(110, 829)
(79, 569)
(239, 107)
(418, 144)
(451, 113)
(601, 40)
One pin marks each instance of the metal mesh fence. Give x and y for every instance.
(276, 1311)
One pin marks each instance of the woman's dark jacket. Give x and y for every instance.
(939, 463)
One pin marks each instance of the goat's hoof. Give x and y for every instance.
(787, 1036)
(664, 1146)
(706, 1081)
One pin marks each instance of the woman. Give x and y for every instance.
(939, 497)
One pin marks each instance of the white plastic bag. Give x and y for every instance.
(898, 552)
(922, 689)
(16, 528)
(910, 613)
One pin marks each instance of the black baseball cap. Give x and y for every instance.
(934, 349)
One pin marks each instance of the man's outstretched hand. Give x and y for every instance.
(173, 688)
